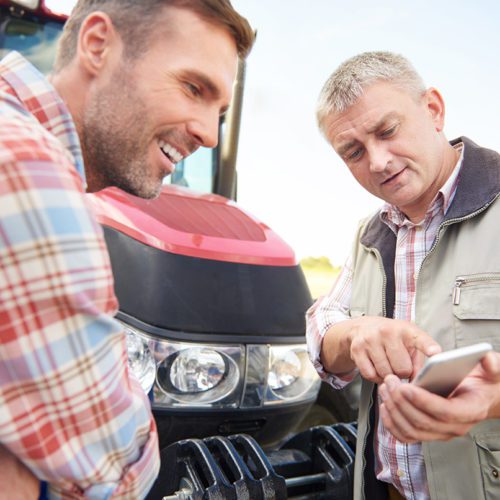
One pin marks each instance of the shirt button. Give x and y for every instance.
(401, 473)
(494, 473)
(415, 276)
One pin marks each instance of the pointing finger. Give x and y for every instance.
(424, 343)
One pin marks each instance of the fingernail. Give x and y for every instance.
(383, 392)
(433, 349)
(391, 383)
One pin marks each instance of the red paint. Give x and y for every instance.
(183, 222)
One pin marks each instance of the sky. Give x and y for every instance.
(288, 176)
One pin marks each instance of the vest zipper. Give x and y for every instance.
(456, 290)
(371, 402)
(384, 280)
(473, 278)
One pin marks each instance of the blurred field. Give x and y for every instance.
(320, 274)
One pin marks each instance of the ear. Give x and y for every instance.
(97, 40)
(435, 104)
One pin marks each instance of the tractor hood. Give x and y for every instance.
(198, 263)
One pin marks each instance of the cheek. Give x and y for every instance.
(363, 178)
(171, 112)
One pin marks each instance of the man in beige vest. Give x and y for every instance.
(392, 304)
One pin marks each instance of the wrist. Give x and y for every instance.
(336, 349)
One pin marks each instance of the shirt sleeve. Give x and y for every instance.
(323, 314)
(69, 409)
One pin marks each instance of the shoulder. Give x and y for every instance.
(22, 138)
(369, 227)
(27, 148)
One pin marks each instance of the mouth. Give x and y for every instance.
(170, 152)
(392, 178)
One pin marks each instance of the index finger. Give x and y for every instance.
(423, 342)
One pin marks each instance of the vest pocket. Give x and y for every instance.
(476, 308)
(488, 447)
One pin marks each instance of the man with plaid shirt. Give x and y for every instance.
(130, 96)
(392, 302)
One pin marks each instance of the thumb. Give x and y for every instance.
(491, 365)
(418, 359)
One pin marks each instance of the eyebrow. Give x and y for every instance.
(209, 85)
(346, 147)
(381, 122)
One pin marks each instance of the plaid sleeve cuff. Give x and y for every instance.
(321, 316)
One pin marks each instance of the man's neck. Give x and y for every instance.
(451, 155)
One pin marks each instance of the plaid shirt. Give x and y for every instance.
(69, 410)
(397, 463)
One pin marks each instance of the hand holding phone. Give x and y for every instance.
(442, 373)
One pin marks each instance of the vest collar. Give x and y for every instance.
(478, 186)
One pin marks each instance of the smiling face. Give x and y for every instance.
(144, 115)
(393, 144)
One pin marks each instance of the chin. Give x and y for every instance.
(142, 190)
(149, 194)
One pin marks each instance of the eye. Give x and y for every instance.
(193, 89)
(354, 155)
(388, 132)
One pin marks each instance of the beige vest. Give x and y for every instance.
(458, 303)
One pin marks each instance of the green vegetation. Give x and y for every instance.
(320, 274)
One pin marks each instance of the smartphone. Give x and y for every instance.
(442, 372)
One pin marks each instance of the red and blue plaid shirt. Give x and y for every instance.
(68, 408)
(397, 463)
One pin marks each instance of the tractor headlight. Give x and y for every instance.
(285, 369)
(197, 370)
(198, 375)
(140, 360)
(291, 374)
(190, 375)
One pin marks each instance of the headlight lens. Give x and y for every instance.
(197, 370)
(285, 369)
(190, 375)
(291, 375)
(198, 376)
(140, 360)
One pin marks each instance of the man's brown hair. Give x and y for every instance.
(136, 22)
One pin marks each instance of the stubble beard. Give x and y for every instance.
(115, 139)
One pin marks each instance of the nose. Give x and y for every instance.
(205, 129)
(379, 157)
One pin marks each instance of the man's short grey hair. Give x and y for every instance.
(347, 83)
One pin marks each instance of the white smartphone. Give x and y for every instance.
(442, 372)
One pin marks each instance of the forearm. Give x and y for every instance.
(322, 322)
(82, 425)
(69, 409)
(336, 348)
